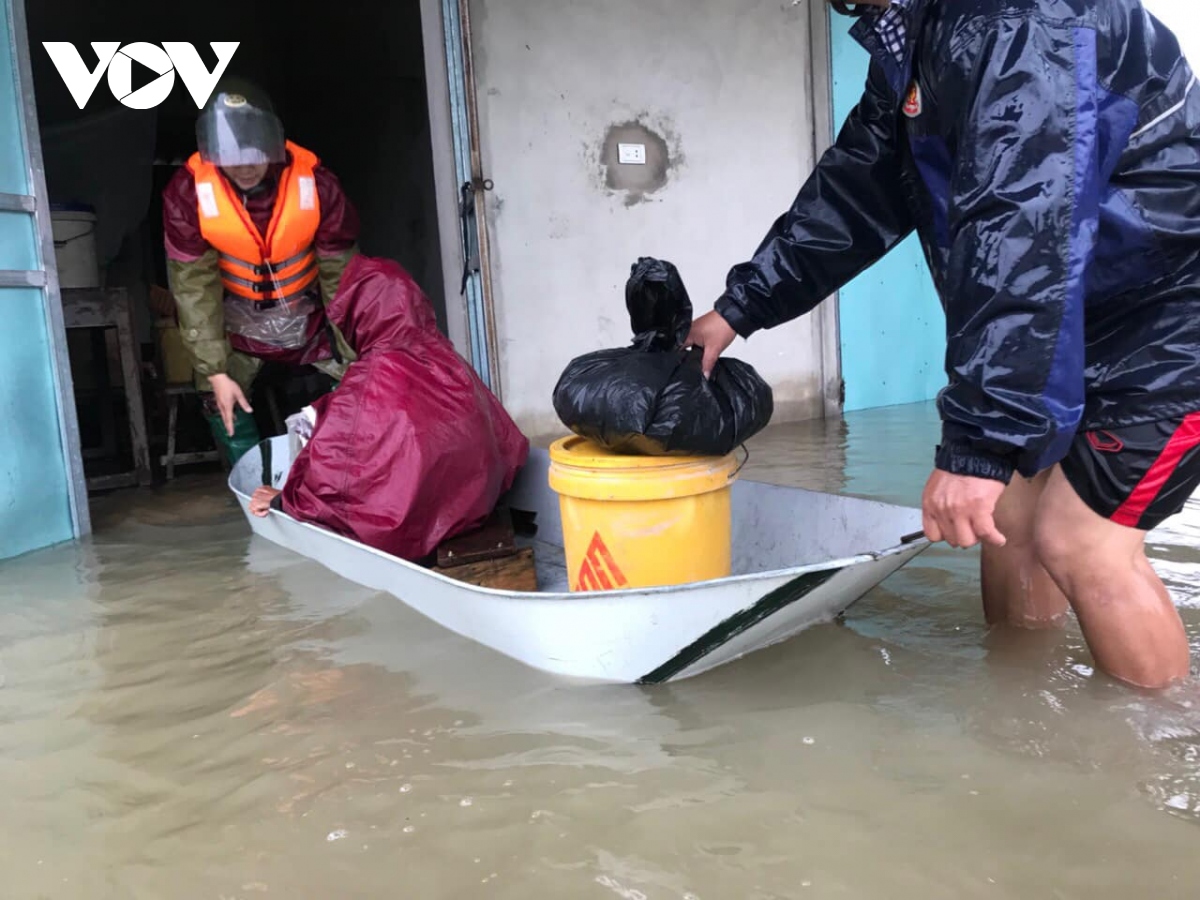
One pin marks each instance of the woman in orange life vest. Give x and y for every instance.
(257, 235)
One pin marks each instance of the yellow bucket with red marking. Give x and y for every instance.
(642, 521)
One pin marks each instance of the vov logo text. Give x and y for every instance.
(168, 60)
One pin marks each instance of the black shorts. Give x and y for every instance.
(1137, 476)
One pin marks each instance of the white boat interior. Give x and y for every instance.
(775, 528)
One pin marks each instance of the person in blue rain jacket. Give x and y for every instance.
(1047, 153)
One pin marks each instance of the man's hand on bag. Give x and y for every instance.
(961, 510)
(228, 396)
(714, 334)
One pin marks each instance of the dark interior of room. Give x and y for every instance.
(347, 79)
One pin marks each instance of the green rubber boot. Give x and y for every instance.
(245, 436)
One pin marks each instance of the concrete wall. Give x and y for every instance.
(893, 330)
(720, 88)
(34, 502)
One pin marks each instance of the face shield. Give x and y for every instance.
(235, 131)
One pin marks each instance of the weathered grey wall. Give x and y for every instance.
(720, 86)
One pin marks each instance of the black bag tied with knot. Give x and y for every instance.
(652, 398)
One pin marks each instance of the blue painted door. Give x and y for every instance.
(893, 331)
(42, 495)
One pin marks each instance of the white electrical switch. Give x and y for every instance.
(631, 154)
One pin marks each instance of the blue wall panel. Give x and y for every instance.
(893, 331)
(14, 177)
(35, 508)
(18, 241)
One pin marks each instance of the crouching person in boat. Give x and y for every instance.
(412, 448)
(257, 236)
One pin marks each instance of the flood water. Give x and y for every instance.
(189, 713)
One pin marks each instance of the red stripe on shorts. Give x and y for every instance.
(1185, 438)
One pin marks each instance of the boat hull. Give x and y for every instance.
(628, 636)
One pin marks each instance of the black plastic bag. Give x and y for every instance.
(660, 310)
(652, 398)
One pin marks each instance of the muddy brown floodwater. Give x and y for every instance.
(192, 714)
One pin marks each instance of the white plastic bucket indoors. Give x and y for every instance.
(75, 247)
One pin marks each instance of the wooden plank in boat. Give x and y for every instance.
(515, 572)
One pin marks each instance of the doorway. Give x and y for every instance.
(349, 81)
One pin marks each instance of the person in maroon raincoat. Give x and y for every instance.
(412, 448)
(257, 234)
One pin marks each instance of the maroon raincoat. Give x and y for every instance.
(411, 448)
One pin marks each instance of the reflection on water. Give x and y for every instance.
(189, 713)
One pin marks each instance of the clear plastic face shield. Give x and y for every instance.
(234, 132)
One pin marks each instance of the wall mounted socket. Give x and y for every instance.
(631, 154)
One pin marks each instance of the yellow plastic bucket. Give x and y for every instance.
(642, 521)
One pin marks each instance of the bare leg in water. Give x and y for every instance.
(1017, 589)
(1060, 551)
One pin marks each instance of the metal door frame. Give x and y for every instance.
(461, 185)
(819, 86)
(37, 204)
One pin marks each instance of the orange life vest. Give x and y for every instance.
(279, 265)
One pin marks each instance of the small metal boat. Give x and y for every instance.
(799, 558)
